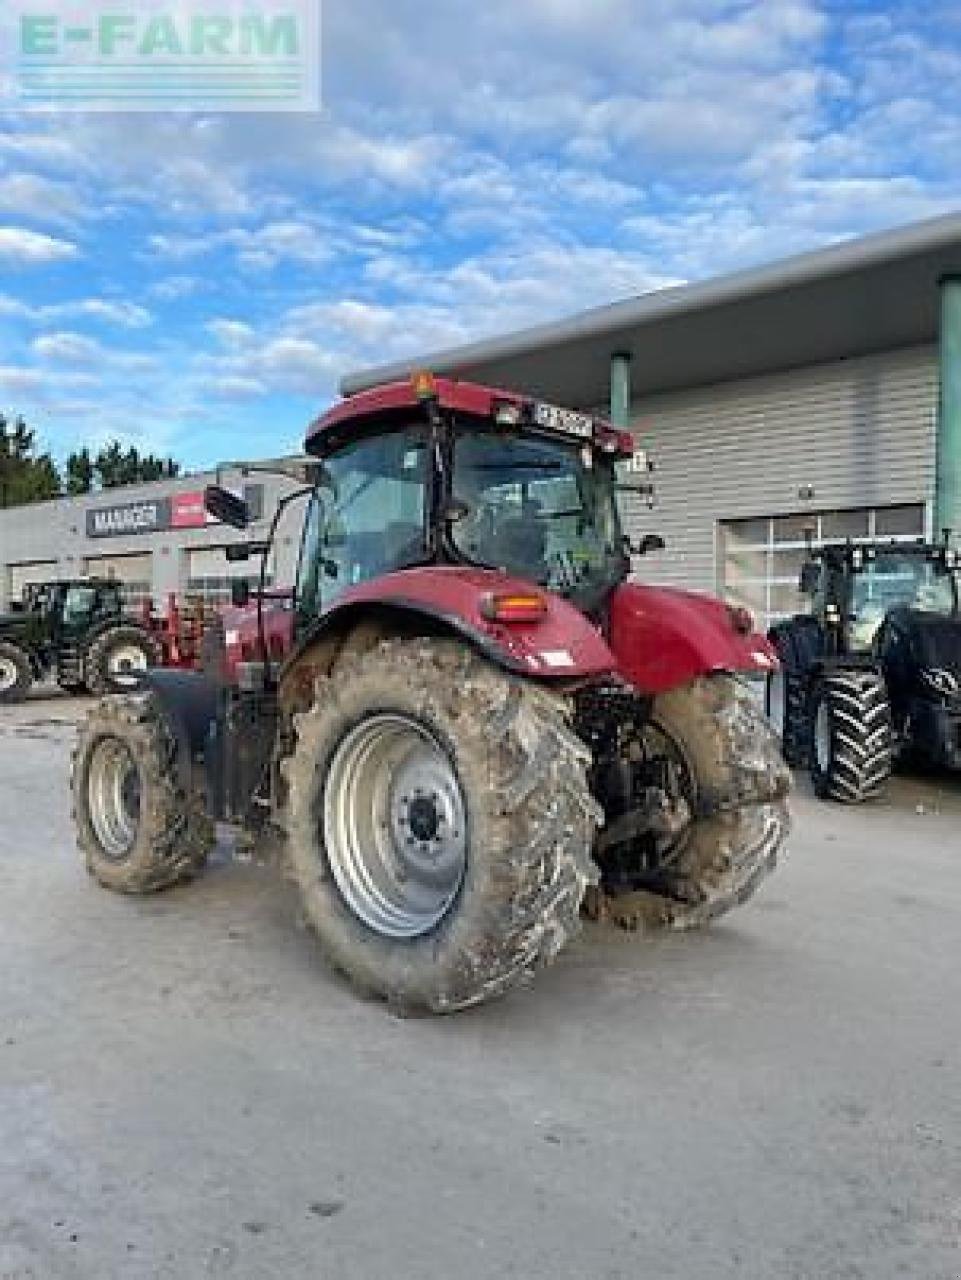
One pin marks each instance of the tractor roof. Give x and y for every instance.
(359, 413)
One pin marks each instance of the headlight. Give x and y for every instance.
(943, 682)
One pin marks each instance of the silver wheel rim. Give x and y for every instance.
(822, 737)
(395, 826)
(113, 798)
(126, 663)
(8, 674)
(775, 702)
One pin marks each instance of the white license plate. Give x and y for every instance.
(567, 421)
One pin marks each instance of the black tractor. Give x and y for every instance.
(78, 632)
(873, 673)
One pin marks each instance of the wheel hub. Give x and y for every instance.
(8, 674)
(126, 661)
(395, 826)
(113, 797)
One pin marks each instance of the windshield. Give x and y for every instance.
(368, 518)
(541, 509)
(898, 580)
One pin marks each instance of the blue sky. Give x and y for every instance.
(198, 284)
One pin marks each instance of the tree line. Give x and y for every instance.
(27, 475)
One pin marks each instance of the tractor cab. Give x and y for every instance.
(854, 588)
(448, 474)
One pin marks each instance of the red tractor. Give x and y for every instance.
(466, 721)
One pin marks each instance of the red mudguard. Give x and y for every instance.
(563, 645)
(663, 638)
(660, 638)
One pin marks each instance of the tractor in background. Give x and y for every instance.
(466, 722)
(78, 632)
(874, 671)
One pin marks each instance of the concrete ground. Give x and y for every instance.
(186, 1090)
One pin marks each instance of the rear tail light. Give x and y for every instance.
(742, 620)
(511, 606)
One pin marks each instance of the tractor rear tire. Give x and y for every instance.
(739, 784)
(785, 704)
(851, 737)
(16, 674)
(139, 829)
(117, 658)
(439, 824)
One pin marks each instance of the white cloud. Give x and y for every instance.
(33, 248)
(67, 348)
(259, 249)
(41, 199)
(231, 334)
(19, 381)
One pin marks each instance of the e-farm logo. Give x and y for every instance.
(219, 55)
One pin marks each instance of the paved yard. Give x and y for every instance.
(186, 1091)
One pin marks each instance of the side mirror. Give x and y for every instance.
(226, 507)
(240, 593)
(651, 542)
(810, 577)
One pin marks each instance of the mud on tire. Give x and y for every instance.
(851, 736)
(740, 813)
(105, 648)
(530, 823)
(141, 833)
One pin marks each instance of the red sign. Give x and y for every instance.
(187, 511)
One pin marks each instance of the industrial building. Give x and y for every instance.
(803, 392)
(154, 539)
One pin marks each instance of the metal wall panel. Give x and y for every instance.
(854, 433)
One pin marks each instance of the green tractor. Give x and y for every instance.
(76, 631)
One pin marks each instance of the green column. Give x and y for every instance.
(621, 390)
(947, 492)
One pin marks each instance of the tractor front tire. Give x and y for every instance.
(138, 828)
(851, 737)
(738, 784)
(16, 674)
(439, 824)
(118, 657)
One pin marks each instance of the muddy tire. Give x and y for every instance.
(439, 824)
(16, 674)
(137, 827)
(117, 658)
(785, 704)
(851, 737)
(739, 785)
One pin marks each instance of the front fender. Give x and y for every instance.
(563, 645)
(664, 638)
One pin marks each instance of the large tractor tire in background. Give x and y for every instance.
(119, 656)
(439, 824)
(785, 704)
(852, 738)
(16, 674)
(138, 827)
(736, 785)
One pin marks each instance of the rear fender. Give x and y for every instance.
(446, 600)
(664, 638)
